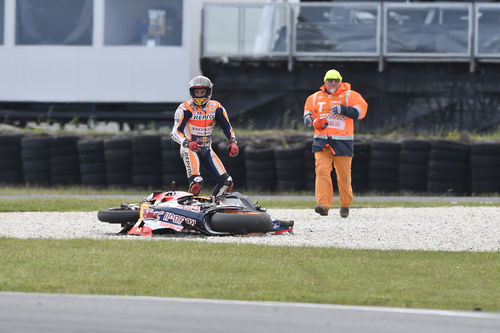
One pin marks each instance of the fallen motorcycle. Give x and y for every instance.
(182, 212)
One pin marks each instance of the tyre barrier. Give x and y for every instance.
(448, 167)
(485, 167)
(413, 165)
(235, 166)
(360, 169)
(10, 159)
(289, 163)
(146, 165)
(64, 163)
(118, 156)
(416, 166)
(35, 157)
(260, 166)
(384, 162)
(173, 171)
(309, 168)
(92, 162)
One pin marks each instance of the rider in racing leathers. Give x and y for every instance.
(193, 123)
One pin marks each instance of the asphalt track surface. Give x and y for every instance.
(57, 313)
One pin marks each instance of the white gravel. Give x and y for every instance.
(433, 229)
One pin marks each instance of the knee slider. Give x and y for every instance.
(195, 184)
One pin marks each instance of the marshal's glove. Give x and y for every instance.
(232, 149)
(192, 145)
(308, 121)
(320, 123)
(336, 109)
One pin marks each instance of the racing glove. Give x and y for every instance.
(192, 145)
(233, 149)
(320, 123)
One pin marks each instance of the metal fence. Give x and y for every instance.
(360, 31)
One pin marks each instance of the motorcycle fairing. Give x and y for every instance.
(161, 219)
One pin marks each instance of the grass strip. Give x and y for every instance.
(179, 268)
(95, 204)
(60, 204)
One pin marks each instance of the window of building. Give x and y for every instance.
(488, 38)
(430, 29)
(340, 28)
(145, 22)
(54, 22)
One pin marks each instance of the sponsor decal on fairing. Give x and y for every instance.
(177, 219)
(170, 220)
(172, 226)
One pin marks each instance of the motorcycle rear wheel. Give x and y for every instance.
(121, 216)
(241, 222)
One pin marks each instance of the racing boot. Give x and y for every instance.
(222, 188)
(195, 184)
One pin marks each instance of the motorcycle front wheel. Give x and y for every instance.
(115, 215)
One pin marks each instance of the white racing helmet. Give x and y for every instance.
(201, 82)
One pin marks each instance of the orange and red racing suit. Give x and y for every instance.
(195, 123)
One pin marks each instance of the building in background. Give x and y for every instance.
(423, 66)
(96, 57)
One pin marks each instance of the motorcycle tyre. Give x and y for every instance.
(118, 216)
(241, 223)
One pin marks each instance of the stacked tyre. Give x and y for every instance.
(118, 156)
(146, 161)
(173, 169)
(35, 157)
(413, 161)
(92, 163)
(384, 164)
(361, 167)
(260, 166)
(290, 167)
(485, 167)
(309, 168)
(448, 167)
(10, 159)
(64, 164)
(235, 166)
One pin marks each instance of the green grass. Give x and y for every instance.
(179, 268)
(167, 268)
(60, 204)
(95, 204)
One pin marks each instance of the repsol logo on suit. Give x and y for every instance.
(203, 117)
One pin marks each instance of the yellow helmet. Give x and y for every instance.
(332, 74)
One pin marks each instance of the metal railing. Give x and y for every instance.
(359, 31)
